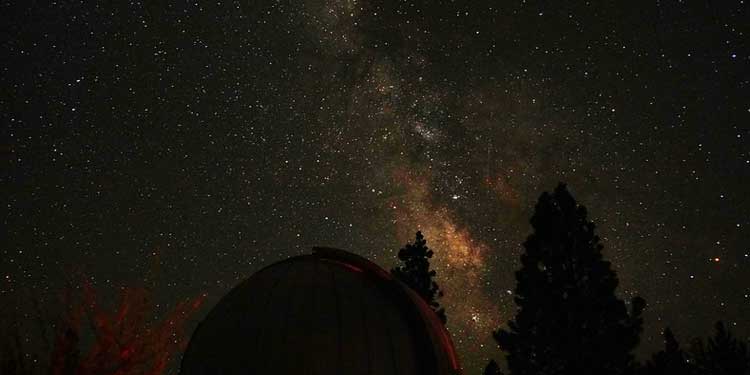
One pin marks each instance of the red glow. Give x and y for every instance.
(353, 268)
(125, 353)
(126, 339)
(435, 325)
(346, 265)
(448, 345)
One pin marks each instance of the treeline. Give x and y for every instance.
(569, 320)
(720, 354)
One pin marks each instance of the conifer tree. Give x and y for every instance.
(672, 360)
(723, 354)
(415, 272)
(569, 320)
(492, 368)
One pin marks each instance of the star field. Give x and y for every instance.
(189, 144)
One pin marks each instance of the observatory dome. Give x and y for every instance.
(329, 312)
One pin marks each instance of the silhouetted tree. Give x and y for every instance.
(723, 354)
(90, 338)
(569, 320)
(415, 272)
(672, 360)
(12, 350)
(24, 337)
(492, 368)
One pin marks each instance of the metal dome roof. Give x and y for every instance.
(329, 312)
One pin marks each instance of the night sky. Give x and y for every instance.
(187, 145)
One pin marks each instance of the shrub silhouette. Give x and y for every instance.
(722, 354)
(671, 360)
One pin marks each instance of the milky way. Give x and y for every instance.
(215, 139)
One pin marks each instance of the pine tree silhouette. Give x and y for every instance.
(416, 273)
(723, 354)
(492, 368)
(672, 360)
(569, 320)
